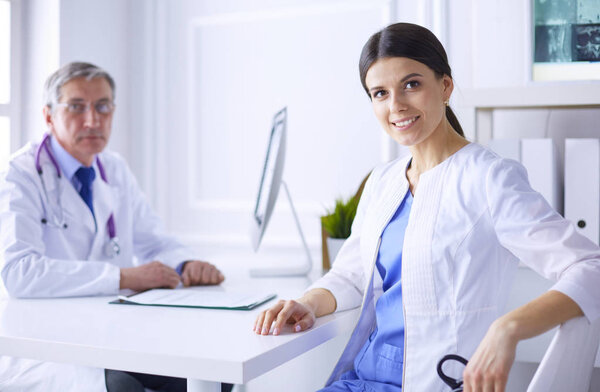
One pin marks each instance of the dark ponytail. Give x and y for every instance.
(454, 121)
(411, 41)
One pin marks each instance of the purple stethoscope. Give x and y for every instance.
(112, 248)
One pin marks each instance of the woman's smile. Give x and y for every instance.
(405, 123)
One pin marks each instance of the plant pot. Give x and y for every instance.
(333, 247)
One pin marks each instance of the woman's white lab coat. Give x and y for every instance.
(474, 216)
(47, 260)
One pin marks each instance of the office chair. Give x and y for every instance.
(569, 361)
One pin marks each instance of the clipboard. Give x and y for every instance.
(196, 297)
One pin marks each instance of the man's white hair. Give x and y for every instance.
(69, 71)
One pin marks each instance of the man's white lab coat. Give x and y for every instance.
(48, 260)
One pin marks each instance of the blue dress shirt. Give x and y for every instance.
(67, 163)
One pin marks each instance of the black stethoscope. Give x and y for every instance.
(455, 384)
(112, 248)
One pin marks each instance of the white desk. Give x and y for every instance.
(205, 346)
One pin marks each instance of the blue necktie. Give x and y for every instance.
(86, 176)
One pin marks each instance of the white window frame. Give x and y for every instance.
(5, 107)
(12, 108)
(16, 136)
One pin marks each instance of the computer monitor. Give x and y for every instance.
(270, 180)
(268, 191)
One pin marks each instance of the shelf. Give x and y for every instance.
(568, 94)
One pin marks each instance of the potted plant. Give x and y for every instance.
(336, 226)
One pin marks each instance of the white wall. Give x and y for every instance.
(98, 32)
(230, 66)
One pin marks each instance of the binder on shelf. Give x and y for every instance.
(582, 185)
(507, 148)
(540, 158)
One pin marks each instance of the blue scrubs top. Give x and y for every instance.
(378, 366)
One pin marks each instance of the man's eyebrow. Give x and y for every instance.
(83, 100)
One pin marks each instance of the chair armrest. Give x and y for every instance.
(569, 361)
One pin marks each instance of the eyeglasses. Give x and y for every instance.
(101, 107)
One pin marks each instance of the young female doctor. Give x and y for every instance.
(436, 242)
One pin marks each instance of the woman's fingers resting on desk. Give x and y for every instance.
(300, 313)
(296, 313)
(284, 312)
(260, 324)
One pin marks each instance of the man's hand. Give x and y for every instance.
(149, 276)
(197, 273)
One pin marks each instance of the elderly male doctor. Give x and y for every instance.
(73, 222)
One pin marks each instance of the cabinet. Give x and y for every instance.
(479, 104)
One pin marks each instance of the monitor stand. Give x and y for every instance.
(300, 270)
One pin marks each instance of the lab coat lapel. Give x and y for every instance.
(387, 204)
(104, 205)
(393, 196)
(77, 213)
(52, 190)
(50, 180)
(418, 280)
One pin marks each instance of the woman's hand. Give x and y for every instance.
(285, 312)
(488, 369)
(300, 313)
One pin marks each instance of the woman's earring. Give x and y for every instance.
(447, 102)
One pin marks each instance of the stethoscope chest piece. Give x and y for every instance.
(112, 247)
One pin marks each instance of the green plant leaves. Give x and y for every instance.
(338, 223)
